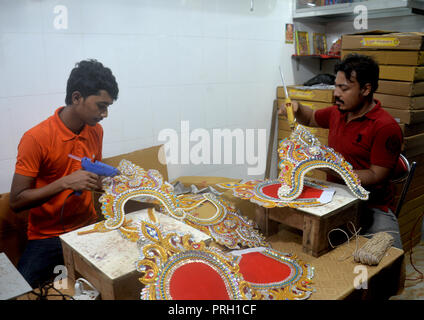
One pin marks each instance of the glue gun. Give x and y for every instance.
(97, 167)
(288, 104)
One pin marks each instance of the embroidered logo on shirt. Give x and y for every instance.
(393, 144)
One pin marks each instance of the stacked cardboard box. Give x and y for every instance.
(311, 97)
(401, 92)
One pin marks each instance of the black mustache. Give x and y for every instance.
(339, 100)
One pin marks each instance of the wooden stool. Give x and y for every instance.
(314, 222)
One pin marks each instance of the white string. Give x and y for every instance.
(355, 233)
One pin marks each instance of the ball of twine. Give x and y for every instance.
(372, 251)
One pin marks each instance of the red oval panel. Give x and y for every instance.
(258, 268)
(308, 192)
(197, 281)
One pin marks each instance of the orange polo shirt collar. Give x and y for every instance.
(65, 132)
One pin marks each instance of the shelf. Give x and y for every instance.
(376, 9)
(321, 56)
(314, 56)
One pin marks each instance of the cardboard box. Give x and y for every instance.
(410, 205)
(406, 116)
(303, 93)
(315, 105)
(412, 227)
(385, 40)
(284, 125)
(400, 88)
(410, 217)
(149, 158)
(411, 129)
(413, 145)
(419, 169)
(416, 188)
(400, 102)
(402, 73)
(396, 57)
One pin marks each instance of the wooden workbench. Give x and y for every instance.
(107, 260)
(314, 222)
(334, 272)
(337, 274)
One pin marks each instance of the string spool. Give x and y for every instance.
(374, 249)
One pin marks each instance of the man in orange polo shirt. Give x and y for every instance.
(365, 134)
(46, 178)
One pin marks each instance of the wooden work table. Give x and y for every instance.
(334, 272)
(108, 260)
(337, 274)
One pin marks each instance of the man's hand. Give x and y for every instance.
(303, 114)
(283, 111)
(24, 195)
(81, 180)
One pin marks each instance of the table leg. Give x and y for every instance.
(314, 239)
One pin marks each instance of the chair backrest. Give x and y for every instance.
(403, 173)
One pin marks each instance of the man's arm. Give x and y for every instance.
(373, 175)
(384, 155)
(23, 195)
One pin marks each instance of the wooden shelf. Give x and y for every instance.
(314, 56)
(321, 56)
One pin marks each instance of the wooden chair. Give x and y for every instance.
(13, 230)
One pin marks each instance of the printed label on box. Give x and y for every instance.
(380, 42)
(301, 93)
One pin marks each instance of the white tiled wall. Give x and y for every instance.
(211, 62)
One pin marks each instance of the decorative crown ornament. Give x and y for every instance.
(299, 154)
(302, 152)
(206, 212)
(174, 267)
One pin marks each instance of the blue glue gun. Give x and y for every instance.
(97, 167)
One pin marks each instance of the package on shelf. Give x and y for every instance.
(312, 104)
(391, 57)
(284, 125)
(410, 217)
(410, 213)
(320, 93)
(411, 129)
(406, 116)
(385, 40)
(400, 102)
(401, 88)
(413, 145)
(402, 73)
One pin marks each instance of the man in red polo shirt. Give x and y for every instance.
(365, 134)
(46, 178)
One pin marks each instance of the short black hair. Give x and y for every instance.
(89, 77)
(366, 68)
